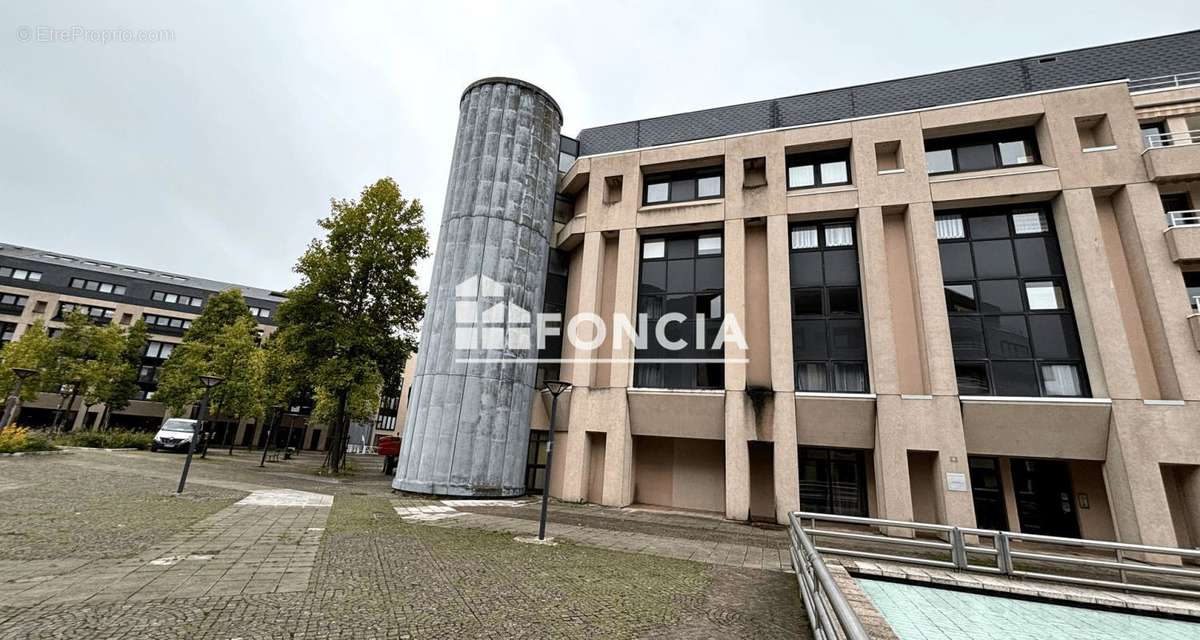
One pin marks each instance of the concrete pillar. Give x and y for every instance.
(877, 302)
(1094, 298)
(1134, 479)
(1009, 491)
(584, 409)
(467, 430)
(934, 321)
(618, 461)
(1159, 290)
(739, 418)
(783, 381)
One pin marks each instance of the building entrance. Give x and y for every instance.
(1045, 500)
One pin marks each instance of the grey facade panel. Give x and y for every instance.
(467, 427)
(1164, 55)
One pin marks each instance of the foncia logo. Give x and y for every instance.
(486, 320)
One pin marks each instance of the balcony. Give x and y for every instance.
(1173, 155)
(1183, 234)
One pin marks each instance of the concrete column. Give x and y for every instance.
(783, 382)
(467, 430)
(1159, 289)
(618, 456)
(624, 304)
(1094, 297)
(738, 416)
(893, 490)
(935, 324)
(1009, 490)
(734, 299)
(1134, 480)
(877, 303)
(584, 408)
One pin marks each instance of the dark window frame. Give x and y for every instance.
(670, 177)
(994, 138)
(827, 314)
(815, 159)
(709, 376)
(1060, 279)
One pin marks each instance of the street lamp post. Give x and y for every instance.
(278, 409)
(555, 387)
(209, 382)
(12, 408)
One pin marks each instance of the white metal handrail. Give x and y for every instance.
(1183, 218)
(1165, 82)
(1001, 556)
(1196, 302)
(829, 614)
(1172, 138)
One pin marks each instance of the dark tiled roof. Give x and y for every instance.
(1163, 55)
(124, 272)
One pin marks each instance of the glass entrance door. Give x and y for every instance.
(988, 494)
(833, 481)
(1045, 500)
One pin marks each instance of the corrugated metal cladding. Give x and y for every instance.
(1164, 55)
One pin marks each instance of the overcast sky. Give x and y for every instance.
(214, 151)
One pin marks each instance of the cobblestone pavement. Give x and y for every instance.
(219, 566)
(521, 519)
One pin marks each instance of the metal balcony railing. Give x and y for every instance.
(1039, 557)
(1165, 82)
(1171, 139)
(1184, 218)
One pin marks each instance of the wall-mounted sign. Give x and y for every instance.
(956, 481)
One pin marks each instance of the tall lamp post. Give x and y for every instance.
(209, 382)
(278, 415)
(12, 408)
(555, 387)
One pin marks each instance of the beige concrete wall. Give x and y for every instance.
(679, 473)
(1095, 521)
(1126, 290)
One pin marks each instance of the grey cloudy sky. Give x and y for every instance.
(214, 152)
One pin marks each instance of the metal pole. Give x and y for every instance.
(267, 443)
(196, 431)
(549, 461)
(12, 407)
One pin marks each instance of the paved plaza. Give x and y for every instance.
(96, 546)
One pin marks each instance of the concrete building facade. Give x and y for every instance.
(42, 285)
(968, 298)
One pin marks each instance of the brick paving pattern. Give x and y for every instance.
(215, 565)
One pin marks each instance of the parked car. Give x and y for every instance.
(174, 435)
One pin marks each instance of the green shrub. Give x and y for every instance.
(111, 439)
(14, 439)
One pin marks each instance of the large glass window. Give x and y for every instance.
(981, 151)
(818, 168)
(833, 481)
(682, 274)
(683, 186)
(1011, 322)
(829, 347)
(97, 314)
(13, 301)
(101, 287)
(20, 274)
(7, 331)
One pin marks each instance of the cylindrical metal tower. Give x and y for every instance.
(467, 427)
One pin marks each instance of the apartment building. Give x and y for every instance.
(968, 297)
(45, 285)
